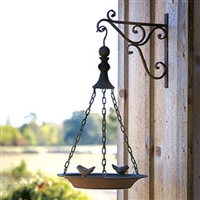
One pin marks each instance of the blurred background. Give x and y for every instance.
(48, 65)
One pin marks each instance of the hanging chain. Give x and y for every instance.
(104, 132)
(87, 112)
(124, 132)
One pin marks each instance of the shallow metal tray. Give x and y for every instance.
(98, 181)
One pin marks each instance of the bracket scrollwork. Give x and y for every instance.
(139, 27)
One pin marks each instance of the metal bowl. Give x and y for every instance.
(99, 181)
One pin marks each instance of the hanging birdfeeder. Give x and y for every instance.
(87, 178)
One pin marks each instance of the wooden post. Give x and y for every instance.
(163, 124)
(135, 102)
(196, 98)
(122, 91)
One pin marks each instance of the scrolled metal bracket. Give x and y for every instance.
(143, 39)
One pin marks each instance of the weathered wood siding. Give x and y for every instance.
(162, 124)
(195, 57)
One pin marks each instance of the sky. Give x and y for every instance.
(49, 57)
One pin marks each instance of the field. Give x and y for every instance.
(51, 161)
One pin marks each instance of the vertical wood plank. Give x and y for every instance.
(138, 97)
(182, 103)
(190, 100)
(123, 8)
(171, 111)
(166, 138)
(164, 141)
(196, 82)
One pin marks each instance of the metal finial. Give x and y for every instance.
(103, 81)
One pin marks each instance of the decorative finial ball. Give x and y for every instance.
(104, 51)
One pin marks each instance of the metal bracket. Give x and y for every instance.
(144, 38)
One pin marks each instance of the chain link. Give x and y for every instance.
(87, 112)
(104, 132)
(124, 132)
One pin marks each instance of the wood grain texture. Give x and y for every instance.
(163, 124)
(159, 119)
(123, 10)
(196, 82)
(137, 105)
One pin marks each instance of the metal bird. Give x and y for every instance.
(84, 171)
(120, 170)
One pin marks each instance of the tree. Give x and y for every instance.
(92, 132)
(48, 134)
(10, 136)
(29, 136)
(45, 134)
(32, 117)
(30, 133)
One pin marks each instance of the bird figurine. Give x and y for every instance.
(120, 170)
(84, 171)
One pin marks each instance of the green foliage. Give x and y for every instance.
(19, 170)
(52, 134)
(47, 134)
(10, 136)
(92, 132)
(30, 132)
(28, 135)
(19, 184)
(43, 188)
